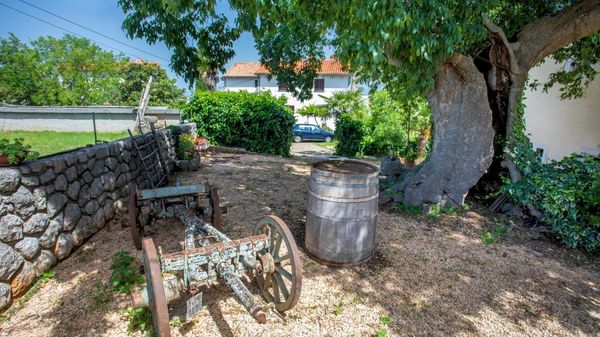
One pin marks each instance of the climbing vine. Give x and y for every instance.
(567, 192)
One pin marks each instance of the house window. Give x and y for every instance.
(282, 87)
(319, 85)
(540, 152)
(256, 83)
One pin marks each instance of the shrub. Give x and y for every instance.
(16, 150)
(257, 122)
(349, 132)
(124, 272)
(186, 149)
(566, 192)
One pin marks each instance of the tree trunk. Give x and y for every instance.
(463, 137)
(463, 103)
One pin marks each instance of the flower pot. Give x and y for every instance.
(409, 164)
(188, 165)
(4, 161)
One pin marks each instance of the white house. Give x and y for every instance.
(252, 77)
(558, 127)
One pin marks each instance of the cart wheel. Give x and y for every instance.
(156, 291)
(282, 285)
(136, 228)
(215, 206)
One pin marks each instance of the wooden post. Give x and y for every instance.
(142, 107)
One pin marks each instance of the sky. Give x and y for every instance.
(104, 16)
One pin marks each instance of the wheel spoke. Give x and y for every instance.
(280, 259)
(284, 272)
(275, 289)
(281, 285)
(275, 251)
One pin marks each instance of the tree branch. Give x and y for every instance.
(550, 33)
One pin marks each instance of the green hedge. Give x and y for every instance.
(349, 131)
(257, 122)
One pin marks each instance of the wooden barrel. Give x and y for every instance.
(342, 212)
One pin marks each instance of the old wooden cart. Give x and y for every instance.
(208, 257)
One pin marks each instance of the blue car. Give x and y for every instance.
(311, 132)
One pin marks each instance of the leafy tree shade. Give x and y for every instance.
(133, 80)
(314, 111)
(74, 71)
(201, 39)
(470, 58)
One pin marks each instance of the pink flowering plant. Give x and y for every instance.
(190, 147)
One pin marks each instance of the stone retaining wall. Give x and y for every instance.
(50, 206)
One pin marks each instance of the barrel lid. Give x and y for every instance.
(350, 167)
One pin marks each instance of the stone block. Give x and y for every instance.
(24, 168)
(111, 163)
(44, 262)
(98, 168)
(71, 173)
(56, 203)
(91, 207)
(96, 188)
(9, 179)
(91, 162)
(10, 262)
(11, 228)
(102, 151)
(88, 177)
(99, 219)
(48, 239)
(72, 215)
(71, 159)
(73, 190)
(23, 201)
(40, 200)
(64, 246)
(5, 295)
(81, 168)
(84, 229)
(60, 184)
(82, 157)
(36, 224)
(24, 278)
(47, 176)
(37, 166)
(30, 181)
(28, 247)
(109, 210)
(126, 156)
(59, 164)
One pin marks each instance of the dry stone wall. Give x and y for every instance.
(50, 206)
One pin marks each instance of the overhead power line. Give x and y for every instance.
(92, 30)
(67, 30)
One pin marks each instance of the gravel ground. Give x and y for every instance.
(428, 277)
(310, 149)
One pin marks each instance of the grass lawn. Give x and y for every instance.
(49, 142)
(330, 145)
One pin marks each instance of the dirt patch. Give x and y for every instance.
(431, 277)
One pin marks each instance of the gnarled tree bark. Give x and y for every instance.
(462, 104)
(463, 137)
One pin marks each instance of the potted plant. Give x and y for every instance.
(411, 154)
(13, 153)
(188, 153)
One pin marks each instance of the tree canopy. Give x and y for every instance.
(397, 43)
(74, 71)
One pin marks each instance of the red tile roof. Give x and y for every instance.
(251, 69)
(243, 69)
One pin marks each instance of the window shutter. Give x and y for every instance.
(319, 85)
